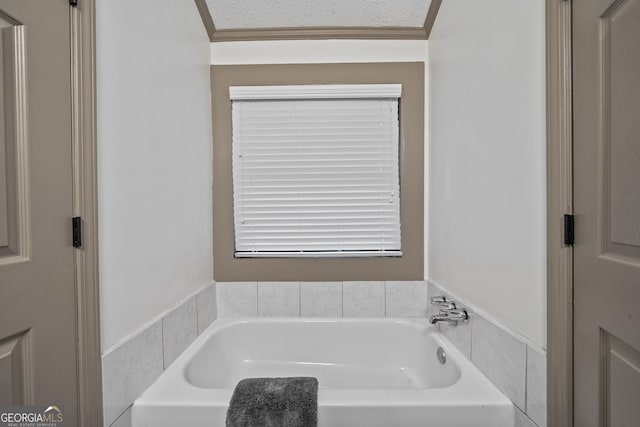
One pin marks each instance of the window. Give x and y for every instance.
(390, 220)
(316, 170)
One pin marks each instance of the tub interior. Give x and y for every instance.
(342, 355)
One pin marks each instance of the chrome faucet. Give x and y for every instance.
(442, 302)
(442, 317)
(449, 312)
(451, 317)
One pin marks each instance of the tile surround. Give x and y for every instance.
(321, 299)
(536, 387)
(131, 367)
(278, 299)
(501, 357)
(460, 335)
(179, 329)
(237, 299)
(207, 308)
(406, 299)
(516, 368)
(363, 299)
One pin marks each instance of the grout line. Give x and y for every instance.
(300, 297)
(197, 316)
(471, 323)
(385, 298)
(526, 379)
(121, 414)
(162, 333)
(525, 415)
(342, 301)
(257, 301)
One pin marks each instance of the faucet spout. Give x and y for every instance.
(451, 317)
(442, 317)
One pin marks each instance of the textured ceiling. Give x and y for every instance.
(244, 14)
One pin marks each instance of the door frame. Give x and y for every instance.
(85, 202)
(559, 202)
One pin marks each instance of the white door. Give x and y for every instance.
(606, 158)
(38, 335)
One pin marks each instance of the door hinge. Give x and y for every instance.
(569, 229)
(76, 226)
(73, 3)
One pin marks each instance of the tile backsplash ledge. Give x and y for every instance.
(322, 299)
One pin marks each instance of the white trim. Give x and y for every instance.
(316, 176)
(252, 93)
(319, 254)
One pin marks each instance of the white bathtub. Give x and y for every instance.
(371, 372)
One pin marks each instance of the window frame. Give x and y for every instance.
(409, 266)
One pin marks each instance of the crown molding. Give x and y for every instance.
(317, 33)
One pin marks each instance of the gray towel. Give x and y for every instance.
(274, 402)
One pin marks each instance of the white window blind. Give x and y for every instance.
(316, 170)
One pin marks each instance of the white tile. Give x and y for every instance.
(237, 299)
(207, 311)
(123, 420)
(129, 369)
(363, 299)
(279, 299)
(179, 329)
(537, 387)
(521, 419)
(321, 299)
(501, 357)
(406, 299)
(459, 335)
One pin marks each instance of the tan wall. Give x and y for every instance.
(407, 267)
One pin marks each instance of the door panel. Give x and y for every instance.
(15, 370)
(14, 221)
(621, 127)
(37, 289)
(4, 207)
(606, 105)
(621, 388)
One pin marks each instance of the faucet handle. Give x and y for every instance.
(442, 302)
(458, 314)
(438, 300)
